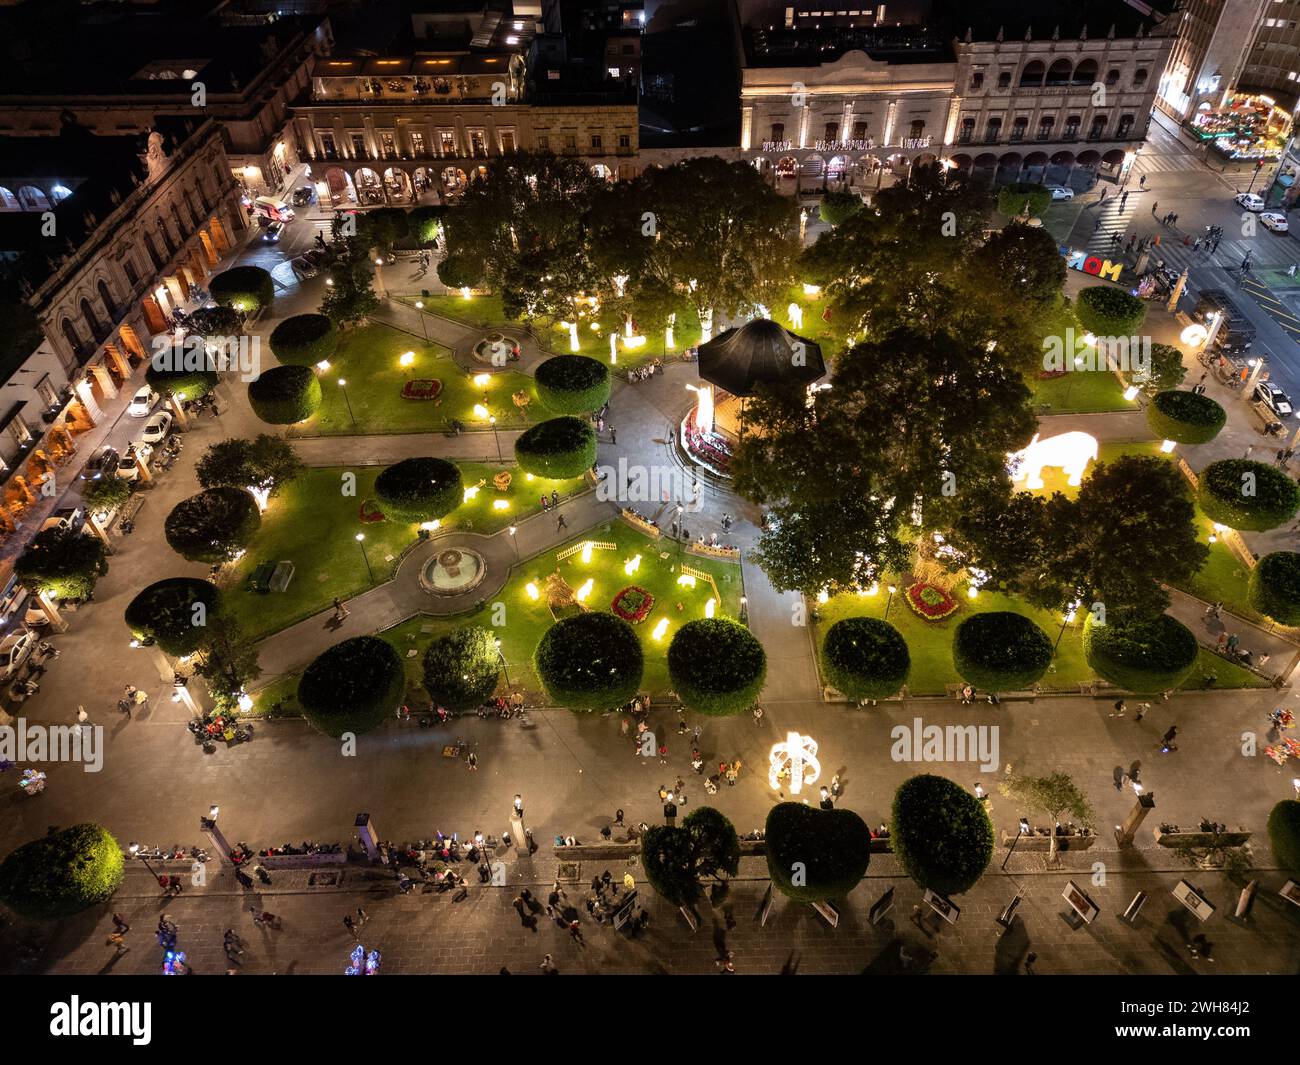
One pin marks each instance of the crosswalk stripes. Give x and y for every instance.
(1163, 164)
(1114, 220)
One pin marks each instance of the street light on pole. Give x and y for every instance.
(134, 848)
(1024, 830)
(681, 533)
(419, 306)
(504, 667)
(492, 418)
(513, 542)
(1066, 619)
(361, 542)
(890, 601)
(344, 385)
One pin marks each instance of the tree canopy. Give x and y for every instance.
(266, 463)
(63, 562)
(679, 859)
(941, 834)
(62, 873)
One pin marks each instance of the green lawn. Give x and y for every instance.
(527, 619)
(368, 359)
(1079, 392)
(1278, 280)
(312, 524)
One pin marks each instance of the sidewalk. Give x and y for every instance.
(1282, 653)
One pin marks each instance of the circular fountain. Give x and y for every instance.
(496, 349)
(453, 571)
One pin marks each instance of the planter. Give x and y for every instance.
(633, 604)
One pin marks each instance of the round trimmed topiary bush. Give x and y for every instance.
(558, 449)
(1274, 588)
(838, 207)
(589, 662)
(62, 873)
(304, 340)
(459, 271)
(572, 384)
(1109, 312)
(214, 525)
(941, 834)
(864, 658)
(1284, 834)
(352, 686)
(461, 668)
(1001, 651)
(192, 384)
(1141, 655)
(716, 666)
(284, 395)
(1243, 494)
(173, 613)
(423, 489)
(1185, 417)
(831, 847)
(245, 288)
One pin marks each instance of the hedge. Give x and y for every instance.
(1274, 588)
(1185, 417)
(716, 666)
(572, 384)
(941, 834)
(1142, 655)
(557, 449)
(1109, 312)
(459, 271)
(865, 658)
(165, 613)
(245, 288)
(284, 395)
(192, 384)
(1012, 199)
(1273, 497)
(62, 873)
(838, 207)
(352, 687)
(421, 489)
(304, 340)
(826, 850)
(1284, 834)
(461, 668)
(589, 662)
(1001, 651)
(214, 525)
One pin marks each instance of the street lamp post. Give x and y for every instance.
(419, 306)
(134, 848)
(344, 385)
(890, 601)
(681, 533)
(513, 542)
(504, 668)
(1024, 830)
(1066, 619)
(361, 542)
(492, 418)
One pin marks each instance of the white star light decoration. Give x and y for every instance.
(797, 756)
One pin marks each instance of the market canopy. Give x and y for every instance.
(760, 352)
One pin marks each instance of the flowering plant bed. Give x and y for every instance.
(930, 601)
(426, 388)
(633, 604)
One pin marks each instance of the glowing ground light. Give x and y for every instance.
(363, 964)
(464, 293)
(823, 596)
(323, 365)
(470, 493)
(709, 608)
(480, 411)
(1131, 393)
(582, 593)
(500, 504)
(797, 756)
(586, 551)
(632, 565)
(482, 380)
(407, 359)
(174, 963)
(1168, 446)
(1194, 335)
(245, 702)
(686, 580)
(812, 290)
(972, 591)
(634, 342)
(531, 589)
(430, 526)
(660, 629)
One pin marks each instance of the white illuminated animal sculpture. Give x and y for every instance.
(1070, 452)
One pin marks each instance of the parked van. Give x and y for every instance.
(272, 208)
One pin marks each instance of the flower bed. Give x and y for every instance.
(633, 604)
(421, 389)
(930, 601)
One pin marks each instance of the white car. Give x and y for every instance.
(1274, 220)
(1274, 398)
(1249, 201)
(15, 649)
(1060, 192)
(157, 428)
(128, 468)
(142, 403)
(66, 518)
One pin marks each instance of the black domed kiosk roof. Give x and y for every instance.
(760, 352)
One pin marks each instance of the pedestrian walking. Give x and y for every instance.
(555, 498)
(82, 716)
(1223, 639)
(548, 966)
(575, 932)
(967, 695)
(618, 817)
(1120, 708)
(1102, 198)
(120, 924)
(1141, 711)
(835, 785)
(613, 435)
(1233, 641)
(1123, 199)
(340, 611)
(1154, 205)
(726, 964)
(264, 918)
(350, 924)
(1142, 181)
(758, 714)
(560, 523)
(1030, 958)
(471, 762)
(825, 801)
(1167, 740)
(1215, 609)
(118, 940)
(1097, 225)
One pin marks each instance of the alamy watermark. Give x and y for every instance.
(23, 742)
(633, 483)
(1074, 353)
(946, 743)
(211, 354)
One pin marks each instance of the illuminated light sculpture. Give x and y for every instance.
(464, 293)
(706, 326)
(260, 495)
(407, 358)
(632, 565)
(174, 963)
(322, 366)
(482, 380)
(531, 589)
(703, 407)
(823, 596)
(1070, 452)
(430, 526)
(710, 607)
(620, 280)
(660, 629)
(1131, 393)
(627, 326)
(796, 757)
(469, 493)
(669, 341)
(613, 348)
(480, 411)
(245, 702)
(574, 344)
(796, 316)
(686, 580)
(1194, 335)
(363, 964)
(586, 551)
(634, 342)
(500, 504)
(812, 290)
(582, 593)
(1167, 446)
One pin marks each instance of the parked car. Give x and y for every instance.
(1274, 220)
(157, 428)
(65, 518)
(303, 196)
(103, 461)
(1250, 201)
(129, 466)
(142, 403)
(272, 233)
(1060, 192)
(15, 649)
(1274, 398)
